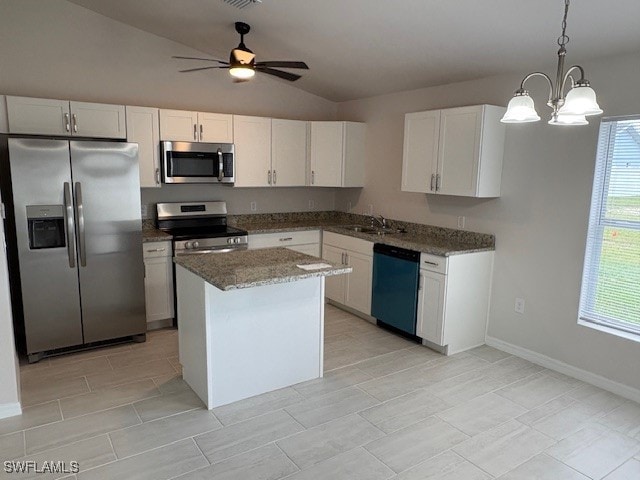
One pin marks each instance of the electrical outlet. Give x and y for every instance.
(254, 206)
(519, 305)
(461, 221)
(312, 204)
(370, 207)
(144, 210)
(349, 207)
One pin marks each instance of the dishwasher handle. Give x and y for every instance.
(396, 252)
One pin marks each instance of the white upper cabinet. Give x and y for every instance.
(215, 127)
(420, 152)
(252, 138)
(337, 154)
(4, 122)
(288, 153)
(143, 128)
(455, 151)
(185, 126)
(98, 120)
(178, 126)
(41, 116)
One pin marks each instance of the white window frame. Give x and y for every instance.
(598, 221)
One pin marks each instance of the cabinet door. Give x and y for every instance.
(158, 288)
(98, 120)
(215, 127)
(460, 133)
(358, 282)
(431, 307)
(288, 152)
(312, 249)
(420, 151)
(354, 154)
(252, 138)
(178, 126)
(327, 153)
(335, 285)
(143, 128)
(38, 116)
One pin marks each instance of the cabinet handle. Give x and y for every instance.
(313, 177)
(156, 250)
(435, 264)
(67, 126)
(437, 182)
(274, 177)
(201, 133)
(157, 176)
(74, 121)
(420, 282)
(433, 179)
(346, 258)
(269, 177)
(195, 132)
(342, 261)
(286, 239)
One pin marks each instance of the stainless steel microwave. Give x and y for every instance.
(190, 162)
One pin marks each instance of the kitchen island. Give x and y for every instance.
(250, 321)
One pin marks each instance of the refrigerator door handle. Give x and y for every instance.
(80, 219)
(68, 213)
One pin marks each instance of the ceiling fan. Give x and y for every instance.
(242, 63)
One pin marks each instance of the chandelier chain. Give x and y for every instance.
(564, 38)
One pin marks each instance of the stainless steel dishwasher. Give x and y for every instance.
(396, 273)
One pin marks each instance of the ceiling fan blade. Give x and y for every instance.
(203, 59)
(292, 77)
(283, 64)
(198, 69)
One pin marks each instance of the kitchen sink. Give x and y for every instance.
(361, 229)
(372, 230)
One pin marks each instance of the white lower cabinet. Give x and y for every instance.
(453, 300)
(158, 280)
(303, 241)
(353, 289)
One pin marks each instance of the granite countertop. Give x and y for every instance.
(155, 235)
(443, 247)
(254, 268)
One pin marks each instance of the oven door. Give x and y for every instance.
(185, 162)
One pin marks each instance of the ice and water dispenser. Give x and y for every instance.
(46, 226)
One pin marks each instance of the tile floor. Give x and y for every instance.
(386, 409)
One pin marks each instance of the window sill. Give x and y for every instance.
(612, 331)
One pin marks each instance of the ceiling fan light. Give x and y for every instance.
(521, 109)
(581, 100)
(565, 119)
(241, 72)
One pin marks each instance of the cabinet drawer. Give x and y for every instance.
(433, 263)
(156, 249)
(348, 243)
(283, 239)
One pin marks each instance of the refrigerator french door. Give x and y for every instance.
(79, 239)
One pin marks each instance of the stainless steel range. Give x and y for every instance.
(200, 227)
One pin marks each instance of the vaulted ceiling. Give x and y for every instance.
(361, 48)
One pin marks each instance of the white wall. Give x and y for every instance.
(56, 49)
(540, 221)
(10, 391)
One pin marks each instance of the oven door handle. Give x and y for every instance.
(207, 250)
(220, 165)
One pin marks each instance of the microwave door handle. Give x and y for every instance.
(220, 165)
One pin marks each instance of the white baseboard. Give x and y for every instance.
(575, 372)
(10, 410)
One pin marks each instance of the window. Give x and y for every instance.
(611, 278)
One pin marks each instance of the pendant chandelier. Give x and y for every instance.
(569, 109)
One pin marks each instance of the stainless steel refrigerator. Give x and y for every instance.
(79, 241)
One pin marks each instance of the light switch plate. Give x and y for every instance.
(519, 305)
